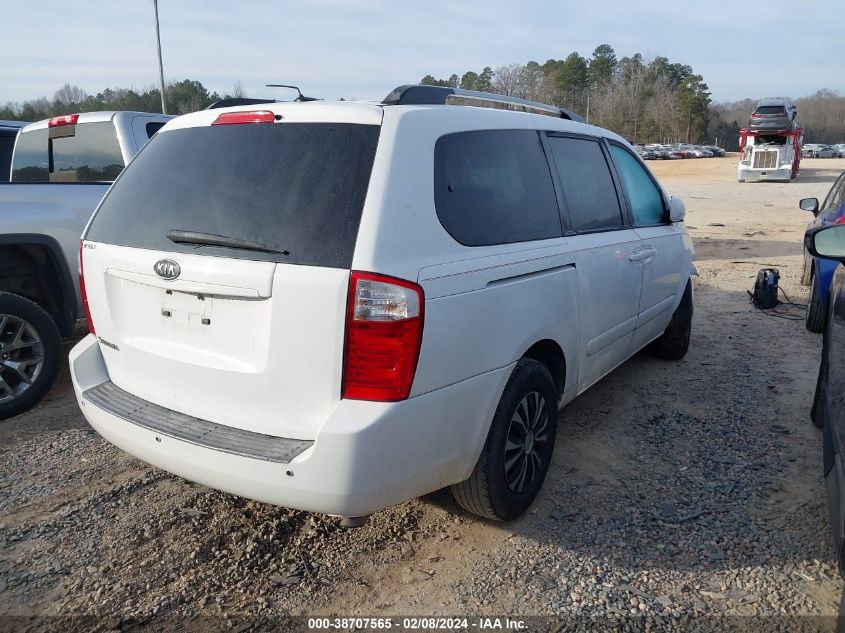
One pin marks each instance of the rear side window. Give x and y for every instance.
(31, 161)
(91, 154)
(295, 187)
(494, 187)
(152, 127)
(644, 197)
(587, 184)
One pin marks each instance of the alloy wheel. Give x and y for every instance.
(21, 356)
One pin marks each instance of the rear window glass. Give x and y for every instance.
(494, 187)
(770, 110)
(296, 187)
(587, 184)
(31, 162)
(92, 154)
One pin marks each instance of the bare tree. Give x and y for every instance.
(68, 94)
(507, 78)
(238, 90)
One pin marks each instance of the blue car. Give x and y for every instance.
(818, 272)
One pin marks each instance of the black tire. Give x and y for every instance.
(817, 411)
(489, 492)
(674, 342)
(16, 309)
(816, 308)
(806, 271)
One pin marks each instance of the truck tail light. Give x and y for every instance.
(239, 118)
(84, 294)
(65, 119)
(384, 326)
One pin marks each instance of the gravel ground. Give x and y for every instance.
(682, 495)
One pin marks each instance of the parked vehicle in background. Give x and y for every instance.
(773, 114)
(60, 170)
(423, 286)
(809, 150)
(840, 149)
(641, 151)
(8, 132)
(826, 151)
(828, 413)
(715, 150)
(818, 272)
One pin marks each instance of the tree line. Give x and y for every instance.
(181, 97)
(646, 101)
(643, 100)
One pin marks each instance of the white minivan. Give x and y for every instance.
(339, 306)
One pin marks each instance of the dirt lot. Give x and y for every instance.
(678, 490)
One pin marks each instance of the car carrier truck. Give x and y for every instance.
(769, 154)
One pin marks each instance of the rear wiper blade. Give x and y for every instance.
(210, 239)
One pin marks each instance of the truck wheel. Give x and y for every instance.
(816, 309)
(29, 354)
(518, 450)
(674, 342)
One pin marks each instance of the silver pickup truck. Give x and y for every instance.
(61, 168)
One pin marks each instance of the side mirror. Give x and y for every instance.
(827, 242)
(677, 210)
(809, 204)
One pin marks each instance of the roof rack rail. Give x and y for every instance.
(237, 101)
(416, 94)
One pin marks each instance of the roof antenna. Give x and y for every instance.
(301, 96)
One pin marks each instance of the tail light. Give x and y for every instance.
(756, 116)
(83, 294)
(65, 119)
(384, 326)
(239, 118)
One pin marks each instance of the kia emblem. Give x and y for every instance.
(167, 269)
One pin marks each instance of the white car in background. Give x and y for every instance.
(337, 307)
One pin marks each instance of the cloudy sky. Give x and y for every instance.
(358, 49)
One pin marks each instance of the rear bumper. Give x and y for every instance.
(365, 457)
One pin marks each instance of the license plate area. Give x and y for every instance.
(185, 307)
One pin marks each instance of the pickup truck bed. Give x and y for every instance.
(61, 169)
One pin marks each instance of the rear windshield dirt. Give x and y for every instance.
(295, 187)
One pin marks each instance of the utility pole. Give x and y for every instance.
(160, 66)
(588, 105)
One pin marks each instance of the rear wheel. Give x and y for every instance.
(674, 342)
(29, 354)
(518, 450)
(816, 308)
